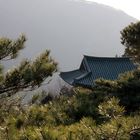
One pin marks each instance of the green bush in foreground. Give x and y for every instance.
(59, 120)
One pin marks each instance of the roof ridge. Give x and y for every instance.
(98, 57)
(70, 71)
(82, 76)
(87, 65)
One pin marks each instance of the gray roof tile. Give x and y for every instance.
(93, 68)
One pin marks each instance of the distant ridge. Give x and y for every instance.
(103, 5)
(66, 27)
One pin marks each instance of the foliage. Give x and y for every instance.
(9, 48)
(85, 115)
(1, 76)
(110, 111)
(130, 38)
(55, 120)
(126, 88)
(28, 75)
(111, 108)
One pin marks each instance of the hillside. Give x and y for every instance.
(68, 28)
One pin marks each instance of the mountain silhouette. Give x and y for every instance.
(68, 28)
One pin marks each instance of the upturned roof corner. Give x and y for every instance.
(93, 68)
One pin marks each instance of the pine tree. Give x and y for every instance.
(28, 75)
(130, 38)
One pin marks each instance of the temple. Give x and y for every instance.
(93, 68)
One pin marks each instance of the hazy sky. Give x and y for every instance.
(131, 7)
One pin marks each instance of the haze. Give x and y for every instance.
(131, 7)
(68, 28)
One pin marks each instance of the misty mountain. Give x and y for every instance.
(68, 28)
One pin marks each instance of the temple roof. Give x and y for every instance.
(93, 68)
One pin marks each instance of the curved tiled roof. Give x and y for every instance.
(70, 76)
(93, 68)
